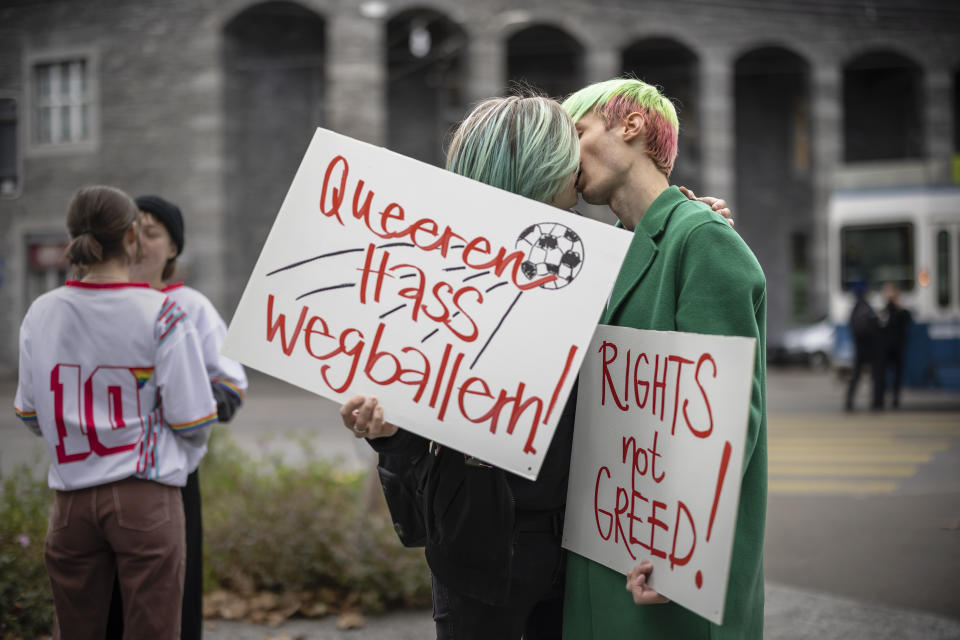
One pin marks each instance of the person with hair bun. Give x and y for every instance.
(494, 552)
(161, 243)
(112, 377)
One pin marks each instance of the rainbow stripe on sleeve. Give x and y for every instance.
(142, 374)
(196, 424)
(26, 416)
(229, 386)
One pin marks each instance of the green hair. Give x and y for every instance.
(613, 100)
(523, 144)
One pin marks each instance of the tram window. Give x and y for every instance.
(877, 254)
(943, 268)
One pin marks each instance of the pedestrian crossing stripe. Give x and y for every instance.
(827, 486)
(902, 444)
(863, 454)
(781, 456)
(898, 422)
(848, 469)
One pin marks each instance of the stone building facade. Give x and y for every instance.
(211, 103)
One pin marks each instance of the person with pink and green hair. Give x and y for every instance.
(685, 270)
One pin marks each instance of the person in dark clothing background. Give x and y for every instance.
(895, 327)
(501, 574)
(865, 329)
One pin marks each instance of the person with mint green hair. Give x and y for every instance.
(685, 270)
(541, 155)
(492, 538)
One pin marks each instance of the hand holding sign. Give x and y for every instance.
(639, 588)
(364, 417)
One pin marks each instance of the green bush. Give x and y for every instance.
(268, 526)
(26, 606)
(304, 528)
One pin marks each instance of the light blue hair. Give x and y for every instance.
(523, 144)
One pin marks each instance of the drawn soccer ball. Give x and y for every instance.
(551, 248)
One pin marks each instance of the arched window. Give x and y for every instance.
(882, 108)
(956, 115)
(425, 54)
(548, 58)
(273, 59)
(774, 189)
(672, 67)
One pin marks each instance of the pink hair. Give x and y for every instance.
(660, 135)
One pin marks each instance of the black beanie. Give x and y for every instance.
(167, 213)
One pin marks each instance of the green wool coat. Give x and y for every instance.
(687, 270)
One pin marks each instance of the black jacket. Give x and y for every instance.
(471, 512)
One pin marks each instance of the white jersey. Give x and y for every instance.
(211, 330)
(112, 377)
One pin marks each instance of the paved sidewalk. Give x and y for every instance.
(791, 614)
(278, 416)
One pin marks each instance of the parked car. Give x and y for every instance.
(812, 345)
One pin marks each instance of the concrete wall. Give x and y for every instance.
(164, 110)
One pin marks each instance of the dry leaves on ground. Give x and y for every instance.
(273, 609)
(350, 620)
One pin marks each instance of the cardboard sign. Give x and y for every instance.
(463, 308)
(657, 458)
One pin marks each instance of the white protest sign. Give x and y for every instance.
(465, 309)
(657, 458)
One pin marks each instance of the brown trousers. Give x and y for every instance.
(131, 528)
